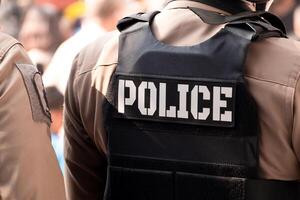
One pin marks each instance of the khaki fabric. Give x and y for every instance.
(272, 72)
(28, 166)
(81, 122)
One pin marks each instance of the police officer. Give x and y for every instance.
(28, 167)
(199, 101)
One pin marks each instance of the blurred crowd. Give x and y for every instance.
(54, 31)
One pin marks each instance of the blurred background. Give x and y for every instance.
(54, 31)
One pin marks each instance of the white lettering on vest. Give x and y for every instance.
(153, 98)
(122, 101)
(183, 91)
(158, 100)
(194, 102)
(218, 104)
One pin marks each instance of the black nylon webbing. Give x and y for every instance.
(215, 188)
(214, 18)
(170, 185)
(272, 190)
(249, 25)
(262, 23)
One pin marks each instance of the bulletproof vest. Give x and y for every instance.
(181, 124)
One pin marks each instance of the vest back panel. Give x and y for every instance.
(178, 116)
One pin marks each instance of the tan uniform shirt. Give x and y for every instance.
(272, 72)
(28, 166)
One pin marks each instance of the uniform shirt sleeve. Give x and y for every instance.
(85, 163)
(28, 166)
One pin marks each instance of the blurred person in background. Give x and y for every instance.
(66, 25)
(55, 101)
(136, 6)
(297, 23)
(285, 10)
(100, 17)
(10, 18)
(40, 34)
(40, 29)
(72, 16)
(40, 59)
(155, 4)
(23, 3)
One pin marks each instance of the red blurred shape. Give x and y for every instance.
(59, 4)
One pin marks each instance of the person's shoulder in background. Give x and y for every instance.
(12, 54)
(24, 127)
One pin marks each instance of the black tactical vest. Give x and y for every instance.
(181, 123)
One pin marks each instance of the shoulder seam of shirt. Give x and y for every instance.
(7, 49)
(269, 81)
(94, 68)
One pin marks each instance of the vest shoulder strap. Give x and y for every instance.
(254, 30)
(250, 25)
(217, 18)
(129, 21)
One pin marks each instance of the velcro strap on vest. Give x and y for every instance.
(214, 188)
(167, 185)
(133, 19)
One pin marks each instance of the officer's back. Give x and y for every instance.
(271, 74)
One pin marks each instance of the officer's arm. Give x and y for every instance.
(85, 165)
(28, 166)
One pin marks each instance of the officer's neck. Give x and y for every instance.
(225, 8)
